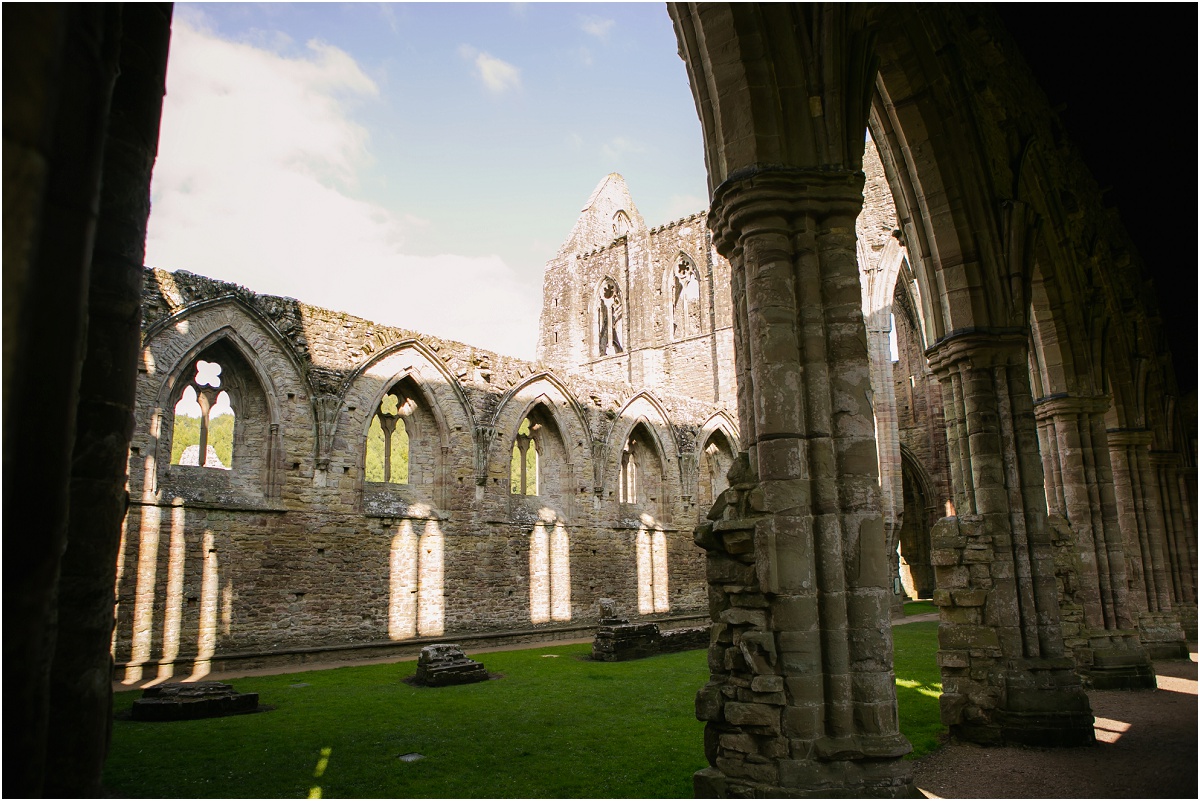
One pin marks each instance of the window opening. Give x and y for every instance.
(387, 442)
(685, 309)
(202, 434)
(609, 314)
(524, 466)
(629, 474)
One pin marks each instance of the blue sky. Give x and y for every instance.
(415, 164)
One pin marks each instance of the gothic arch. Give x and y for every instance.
(263, 357)
(548, 390)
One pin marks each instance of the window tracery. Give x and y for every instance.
(685, 298)
(202, 433)
(524, 464)
(387, 457)
(609, 316)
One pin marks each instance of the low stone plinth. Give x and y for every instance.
(625, 641)
(447, 665)
(688, 639)
(204, 699)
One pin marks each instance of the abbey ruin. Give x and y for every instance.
(923, 362)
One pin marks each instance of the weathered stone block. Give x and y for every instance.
(445, 665)
(969, 597)
(742, 714)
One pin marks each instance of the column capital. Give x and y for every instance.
(771, 198)
(1064, 404)
(1126, 437)
(1166, 458)
(981, 347)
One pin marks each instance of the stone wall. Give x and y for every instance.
(292, 554)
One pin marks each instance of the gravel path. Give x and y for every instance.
(1146, 749)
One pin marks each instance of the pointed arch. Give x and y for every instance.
(684, 289)
(610, 329)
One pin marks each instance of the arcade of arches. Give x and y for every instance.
(906, 353)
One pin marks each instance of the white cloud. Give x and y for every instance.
(618, 146)
(597, 26)
(258, 162)
(497, 75)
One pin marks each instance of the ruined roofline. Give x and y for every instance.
(198, 289)
(698, 216)
(701, 215)
(221, 288)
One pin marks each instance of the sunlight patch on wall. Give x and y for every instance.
(143, 599)
(173, 613)
(417, 601)
(206, 640)
(560, 573)
(652, 568)
(430, 603)
(539, 575)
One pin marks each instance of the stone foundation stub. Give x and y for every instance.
(446, 665)
(205, 699)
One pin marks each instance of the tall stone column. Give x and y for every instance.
(81, 675)
(1005, 675)
(1140, 517)
(887, 442)
(801, 700)
(1079, 491)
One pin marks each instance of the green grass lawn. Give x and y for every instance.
(918, 608)
(556, 726)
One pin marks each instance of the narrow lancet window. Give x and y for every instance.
(629, 474)
(609, 316)
(685, 297)
(524, 466)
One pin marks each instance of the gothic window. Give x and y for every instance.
(716, 460)
(685, 299)
(621, 224)
(629, 473)
(388, 440)
(609, 316)
(524, 466)
(204, 420)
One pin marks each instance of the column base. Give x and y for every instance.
(809, 778)
(1044, 705)
(1122, 670)
(1163, 635)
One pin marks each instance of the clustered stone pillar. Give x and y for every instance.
(1079, 490)
(1181, 541)
(801, 700)
(1140, 516)
(1005, 675)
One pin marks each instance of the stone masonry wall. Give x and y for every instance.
(292, 551)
